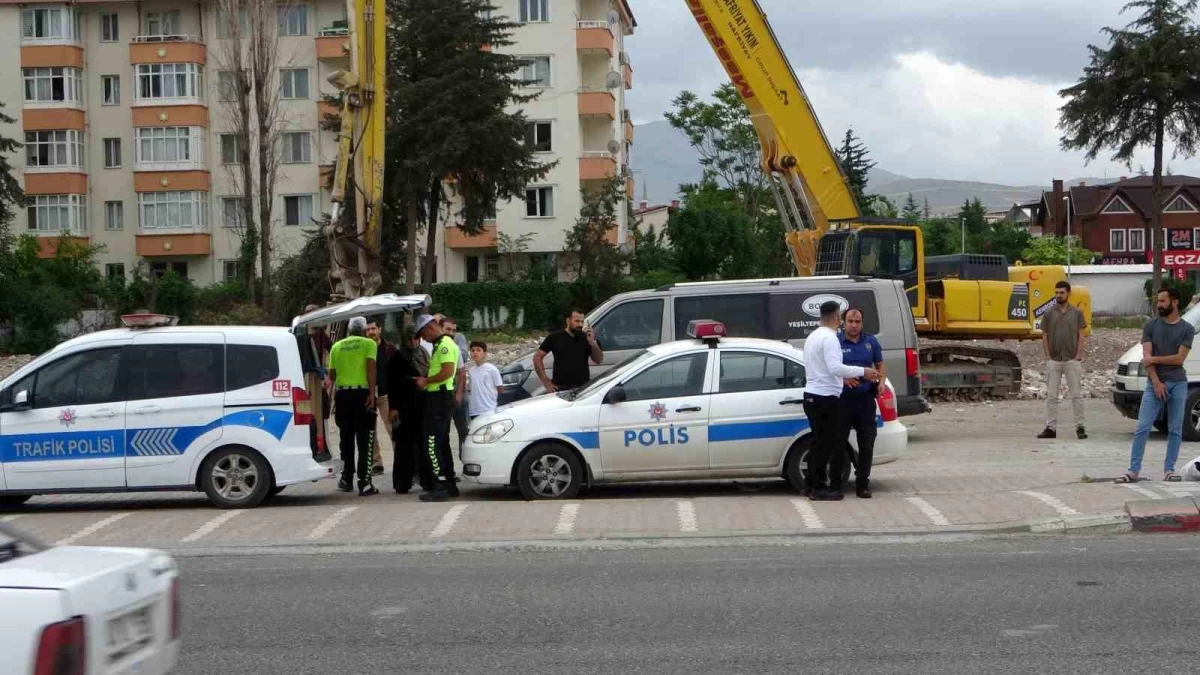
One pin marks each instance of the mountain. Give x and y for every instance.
(662, 159)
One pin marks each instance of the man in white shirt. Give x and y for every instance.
(484, 382)
(825, 375)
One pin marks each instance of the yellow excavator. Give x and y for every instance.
(953, 298)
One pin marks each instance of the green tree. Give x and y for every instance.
(450, 118)
(1005, 238)
(926, 212)
(593, 256)
(911, 213)
(12, 197)
(975, 214)
(1141, 91)
(942, 236)
(723, 135)
(651, 250)
(856, 165)
(1050, 250)
(711, 239)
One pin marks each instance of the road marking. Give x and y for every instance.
(1052, 502)
(92, 529)
(687, 516)
(808, 514)
(209, 527)
(329, 523)
(1143, 491)
(566, 519)
(929, 510)
(9, 519)
(447, 522)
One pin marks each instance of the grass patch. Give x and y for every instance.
(1118, 321)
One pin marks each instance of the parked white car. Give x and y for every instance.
(78, 610)
(692, 409)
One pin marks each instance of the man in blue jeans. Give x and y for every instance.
(1166, 341)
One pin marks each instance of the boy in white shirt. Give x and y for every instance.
(484, 382)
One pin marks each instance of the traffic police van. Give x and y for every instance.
(227, 410)
(705, 408)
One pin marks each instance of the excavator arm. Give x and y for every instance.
(810, 189)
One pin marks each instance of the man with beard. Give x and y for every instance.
(1063, 326)
(1166, 341)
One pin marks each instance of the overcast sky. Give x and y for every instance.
(936, 88)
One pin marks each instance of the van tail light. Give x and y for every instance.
(912, 362)
(62, 650)
(302, 407)
(887, 405)
(175, 608)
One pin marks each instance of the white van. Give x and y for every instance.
(1130, 382)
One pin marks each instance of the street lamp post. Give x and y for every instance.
(964, 235)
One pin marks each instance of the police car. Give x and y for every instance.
(706, 408)
(85, 609)
(228, 410)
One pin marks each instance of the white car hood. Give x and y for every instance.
(533, 406)
(1133, 354)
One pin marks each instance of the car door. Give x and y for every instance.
(62, 427)
(175, 404)
(756, 409)
(662, 425)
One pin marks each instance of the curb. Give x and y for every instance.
(1181, 514)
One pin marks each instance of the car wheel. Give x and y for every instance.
(549, 472)
(276, 490)
(236, 478)
(795, 467)
(14, 500)
(1191, 421)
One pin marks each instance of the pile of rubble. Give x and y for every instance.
(8, 364)
(504, 354)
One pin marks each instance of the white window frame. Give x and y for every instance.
(492, 268)
(63, 147)
(533, 11)
(61, 24)
(549, 202)
(237, 275)
(528, 71)
(110, 27)
(181, 211)
(110, 84)
(235, 151)
(286, 147)
(36, 78)
(535, 124)
(1129, 236)
(114, 215)
(300, 220)
(170, 77)
(57, 214)
(224, 24)
(292, 19)
(1117, 206)
(1191, 208)
(107, 155)
(287, 81)
(109, 268)
(234, 204)
(153, 148)
(1112, 241)
(163, 22)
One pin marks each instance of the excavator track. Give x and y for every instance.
(962, 372)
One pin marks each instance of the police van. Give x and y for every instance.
(706, 408)
(227, 410)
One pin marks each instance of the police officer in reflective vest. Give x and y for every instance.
(857, 410)
(438, 386)
(352, 372)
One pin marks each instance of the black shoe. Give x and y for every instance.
(401, 492)
(367, 490)
(826, 496)
(1081, 433)
(344, 485)
(377, 470)
(1048, 433)
(863, 493)
(452, 490)
(435, 496)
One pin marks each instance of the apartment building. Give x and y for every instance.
(576, 59)
(120, 106)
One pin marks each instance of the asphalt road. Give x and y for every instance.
(1045, 605)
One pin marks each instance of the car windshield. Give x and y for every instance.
(613, 373)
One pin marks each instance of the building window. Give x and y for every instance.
(1180, 205)
(109, 27)
(58, 149)
(231, 149)
(110, 86)
(491, 267)
(53, 85)
(542, 267)
(539, 202)
(297, 147)
(49, 24)
(54, 214)
(537, 136)
(227, 28)
(160, 269)
(232, 209)
(172, 210)
(232, 270)
(169, 80)
(293, 83)
(163, 23)
(114, 215)
(298, 210)
(1117, 205)
(1116, 241)
(115, 271)
(535, 71)
(293, 20)
(533, 10)
(112, 153)
(1137, 240)
(168, 145)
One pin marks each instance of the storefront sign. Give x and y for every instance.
(1180, 240)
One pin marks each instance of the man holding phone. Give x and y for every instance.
(572, 347)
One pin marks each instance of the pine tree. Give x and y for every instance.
(856, 165)
(927, 212)
(975, 213)
(12, 197)
(1141, 91)
(911, 212)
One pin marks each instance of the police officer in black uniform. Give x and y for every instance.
(438, 386)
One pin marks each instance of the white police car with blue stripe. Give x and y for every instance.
(705, 408)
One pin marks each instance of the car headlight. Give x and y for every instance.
(1135, 369)
(491, 433)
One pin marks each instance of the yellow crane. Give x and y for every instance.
(952, 297)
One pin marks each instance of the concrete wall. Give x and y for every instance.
(1115, 289)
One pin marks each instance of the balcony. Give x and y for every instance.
(334, 42)
(155, 243)
(51, 56)
(457, 239)
(62, 180)
(167, 49)
(171, 181)
(594, 36)
(597, 165)
(627, 70)
(597, 102)
(627, 121)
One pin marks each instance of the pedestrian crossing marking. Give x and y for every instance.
(212, 525)
(329, 523)
(92, 529)
(686, 512)
(1052, 502)
(566, 519)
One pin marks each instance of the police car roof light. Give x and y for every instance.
(146, 320)
(705, 329)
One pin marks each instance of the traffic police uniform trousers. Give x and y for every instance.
(437, 459)
(356, 426)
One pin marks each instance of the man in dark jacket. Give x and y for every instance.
(406, 411)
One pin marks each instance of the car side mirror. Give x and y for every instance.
(615, 395)
(20, 401)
